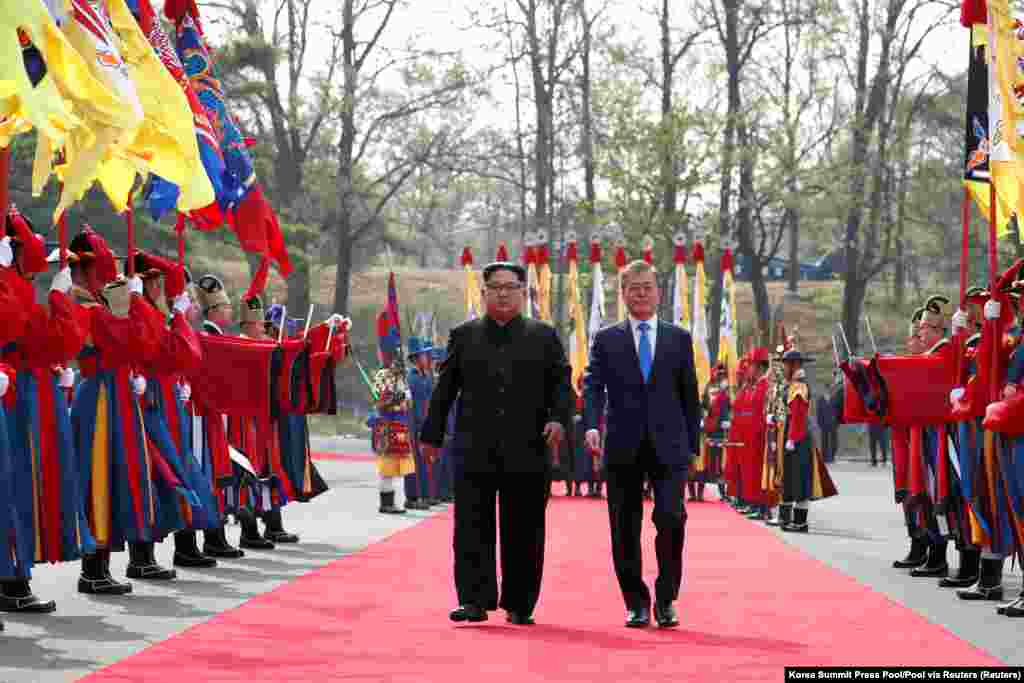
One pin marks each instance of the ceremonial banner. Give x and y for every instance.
(578, 327)
(203, 184)
(680, 293)
(474, 306)
(597, 290)
(620, 265)
(701, 354)
(543, 278)
(727, 352)
(1004, 112)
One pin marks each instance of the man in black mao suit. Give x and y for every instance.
(512, 381)
(643, 370)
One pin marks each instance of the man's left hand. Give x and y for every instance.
(553, 434)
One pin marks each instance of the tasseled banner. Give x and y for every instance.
(571, 252)
(620, 256)
(698, 253)
(679, 254)
(595, 250)
(255, 223)
(467, 257)
(649, 249)
(175, 10)
(973, 12)
(502, 254)
(728, 262)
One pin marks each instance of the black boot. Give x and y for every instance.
(691, 489)
(990, 582)
(187, 554)
(966, 573)
(17, 597)
(937, 565)
(142, 563)
(215, 544)
(594, 490)
(916, 556)
(275, 528)
(700, 492)
(785, 516)
(96, 578)
(1013, 609)
(387, 504)
(251, 538)
(799, 523)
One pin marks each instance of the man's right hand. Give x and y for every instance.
(429, 452)
(593, 440)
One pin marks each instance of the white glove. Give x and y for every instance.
(185, 391)
(182, 303)
(67, 378)
(135, 284)
(6, 252)
(956, 394)
(790, 446)
(139, 385)
(5, 382)
(702, 424)
(62, 281)
(337, 319)
(769, 420)
(959, 320)
(992, 310)
(726, 424)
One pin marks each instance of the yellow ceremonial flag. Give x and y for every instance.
(1005, 51)
(543, 286)
(166, 139)
(699, 333)
(91, 33)
(474, 305)
(62, 96)
(727, 352)
(578, 354)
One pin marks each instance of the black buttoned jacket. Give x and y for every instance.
(509, 381)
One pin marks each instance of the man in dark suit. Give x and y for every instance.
(512, 381)
(643, 368)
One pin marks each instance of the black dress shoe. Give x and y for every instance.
(468, 613)
(194, 561)
(26, 603)
(958, 582)
(255, 543)
(228, 552)
(1012, 609)
(106, 585)
(930, 572)
(638, 618)
(150, 572)
(281, 536)
(979, 592)
(665, 614)
(519, 618)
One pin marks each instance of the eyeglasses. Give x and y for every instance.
(507, 289)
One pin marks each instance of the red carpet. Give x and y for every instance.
(344, 457)
(381, 615)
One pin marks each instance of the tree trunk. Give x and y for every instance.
(793, 221)
(587, 143)
(669, 182)
(345, 228)
(732, 54)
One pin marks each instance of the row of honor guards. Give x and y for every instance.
(757, 444)
(120, 454)
(961, 481)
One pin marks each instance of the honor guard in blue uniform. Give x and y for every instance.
(420, 378)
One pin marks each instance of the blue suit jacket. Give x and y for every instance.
(666, 408)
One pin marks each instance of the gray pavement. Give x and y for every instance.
(861, 531)
(858, 533)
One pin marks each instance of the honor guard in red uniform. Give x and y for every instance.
(184, 492)
(45, 520)
(211, 431)
(118, 472)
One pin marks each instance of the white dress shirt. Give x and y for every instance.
(652, 333)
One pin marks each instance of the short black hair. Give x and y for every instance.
(492, 268)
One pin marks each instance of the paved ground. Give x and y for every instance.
(859, 533)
